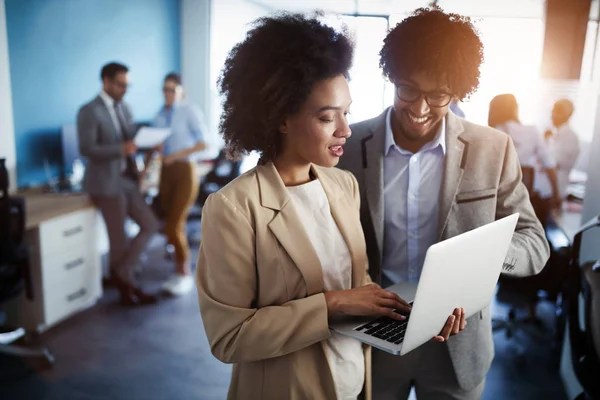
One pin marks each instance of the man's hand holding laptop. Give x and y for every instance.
(455, 324)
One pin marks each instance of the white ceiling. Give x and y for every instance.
(479, 8)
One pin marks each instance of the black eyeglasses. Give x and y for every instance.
(411, 94)
(121, 85)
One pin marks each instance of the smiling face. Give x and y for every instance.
(420, 105)
(317, 132)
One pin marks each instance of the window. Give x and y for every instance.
(367, 85)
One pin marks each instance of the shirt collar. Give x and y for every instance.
(438, 140)
(109, 101)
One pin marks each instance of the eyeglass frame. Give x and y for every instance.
(174, 90)
(120, 85)
(422, 94)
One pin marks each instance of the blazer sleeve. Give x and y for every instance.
(226, 277)
(88, 130)
(528, 251)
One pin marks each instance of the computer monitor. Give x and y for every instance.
(70, 148)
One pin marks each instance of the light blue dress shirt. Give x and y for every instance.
(411, 191)
(187, 127)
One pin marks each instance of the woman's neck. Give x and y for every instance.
(292, 173)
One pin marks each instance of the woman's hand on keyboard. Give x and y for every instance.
(366, 301)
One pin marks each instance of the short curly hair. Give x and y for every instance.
(270, 74)
(441, 45)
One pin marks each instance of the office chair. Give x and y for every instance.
(223, 172)
(12, 282)
(14, 278)
(584, 283)
(524, 293)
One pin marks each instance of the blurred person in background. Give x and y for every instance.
(532, 149)
(179, 182)
(564, 146)
(105, 129)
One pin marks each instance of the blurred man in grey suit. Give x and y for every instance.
(426, 175)
(106, 130)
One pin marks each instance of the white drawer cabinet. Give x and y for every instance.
(60, 267)
(67, 231)
(65, 270)
(70, 295)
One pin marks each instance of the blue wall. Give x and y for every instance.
(56, 51)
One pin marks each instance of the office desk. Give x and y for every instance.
(44, 207)
(64, 260)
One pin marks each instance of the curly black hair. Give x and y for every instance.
(444, 46)
(269, 75)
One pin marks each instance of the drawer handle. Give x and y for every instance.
(72, 231)
(80, 293)
(74, 263)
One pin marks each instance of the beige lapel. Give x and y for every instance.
(288, 228)
(342, 211)
(454, 165)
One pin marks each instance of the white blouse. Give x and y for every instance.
(345, 355)
(529, 143)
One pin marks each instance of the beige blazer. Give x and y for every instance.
(260, 284)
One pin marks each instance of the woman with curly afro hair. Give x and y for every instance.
(427, 175)
(282, 247)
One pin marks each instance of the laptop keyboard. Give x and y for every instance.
(387, 329)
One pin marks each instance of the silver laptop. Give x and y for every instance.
(458, 272)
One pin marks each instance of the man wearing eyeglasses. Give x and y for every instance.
(105, 129)
(426, 175)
